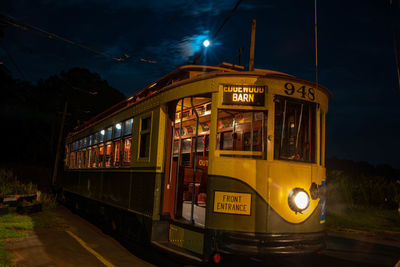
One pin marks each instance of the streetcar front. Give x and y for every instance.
(266, 177)
(245, 164)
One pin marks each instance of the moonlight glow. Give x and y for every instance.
(206, 43)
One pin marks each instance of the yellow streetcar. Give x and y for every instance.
(207, 161)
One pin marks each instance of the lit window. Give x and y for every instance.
(241, 130)
(101, 156)
(116, 153)
(109, 133)
(79, 159)
(96, 138)
(94, 157)
(128, 127)
(127, 151)
(87, 158)
(108, 155)
(117, 130)
(72, 159)
(101, 136)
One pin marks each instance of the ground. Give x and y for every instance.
(60, 238)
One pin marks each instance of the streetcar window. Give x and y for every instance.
(90, 140)
(116, 153)
(241, 130)
(96, 138)
(83, 162)
(101, 136)
(127, 151)
(145, 137)
(72, 160)
(94, 157)
(117, 130)
(78, 159)
(109, 133)
(87, 158)
(128, 127)
(101, 156)
(108, 155)
(294, 130)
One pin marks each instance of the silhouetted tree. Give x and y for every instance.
(32, 114)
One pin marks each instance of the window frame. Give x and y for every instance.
(145, 132)
(313, 131)
(243, 153)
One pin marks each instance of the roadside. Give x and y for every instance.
(369, 224)
(59, 238)
(387, 238)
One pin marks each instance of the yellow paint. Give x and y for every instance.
(271, 179)
(97, 255)
(232, 203)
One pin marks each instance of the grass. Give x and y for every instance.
(12, 226)
(15, 226)
(5, 257)
(364, 218)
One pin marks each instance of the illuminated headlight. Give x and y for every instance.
(299, 200)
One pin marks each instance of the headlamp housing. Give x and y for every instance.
(298, 200)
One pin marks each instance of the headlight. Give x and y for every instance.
(299, 200)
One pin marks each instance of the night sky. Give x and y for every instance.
(355, 50)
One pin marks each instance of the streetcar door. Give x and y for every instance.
(187, 160)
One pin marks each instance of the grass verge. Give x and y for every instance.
(5, 257)
(15, 226)
(364, 218)
(12, 226)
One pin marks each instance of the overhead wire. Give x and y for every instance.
(9, 20)
(228, 17)
(196, 60)
(19, 70)
(395, 48)
(316, 42)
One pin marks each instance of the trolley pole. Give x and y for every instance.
(55, 169)
(252, 44)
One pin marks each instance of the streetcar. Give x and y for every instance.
(207, 161)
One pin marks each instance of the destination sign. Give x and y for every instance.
(232, 203)
(249, 95)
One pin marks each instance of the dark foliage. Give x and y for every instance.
(362, 184)
(360, 170)
(32, 114)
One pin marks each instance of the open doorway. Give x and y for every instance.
(187, 160)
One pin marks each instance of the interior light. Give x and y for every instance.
(118, 126)
(102, 132)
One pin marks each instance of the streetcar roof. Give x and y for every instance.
(187, 74)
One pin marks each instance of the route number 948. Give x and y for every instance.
(303, 91)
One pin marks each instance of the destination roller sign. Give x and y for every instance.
(249, 95)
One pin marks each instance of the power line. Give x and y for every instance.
(227, 18)
(196, 60)
(51, 35)
(395, 48)
(14, 63)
